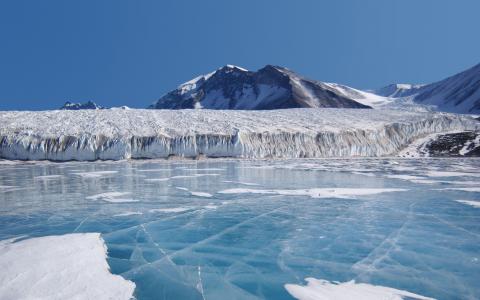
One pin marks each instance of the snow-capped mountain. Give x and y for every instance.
(77, 106)
(271, 87)
(459, 93)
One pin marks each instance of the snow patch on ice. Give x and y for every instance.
(179, 177)
(465, 189)
(95, 174)
(157, 179)
(346, 193)
(128, 213)
(451, 174)
(47, 177)
(170, 210)
(239, 182)
(210, 206)
(71, 266)
(201, 194)
(470, 202)
(404, 177)
(112, 197)
(197, 194)
(153, 170)
(317, 289)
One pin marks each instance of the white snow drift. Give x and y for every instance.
(71, 266)
(317, 289)
(290, 133)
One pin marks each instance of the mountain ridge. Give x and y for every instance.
(271, 87)
(459, 93)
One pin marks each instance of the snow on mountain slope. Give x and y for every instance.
(271, 87)
(292, 133)
(364, 97)
(398, 90)
(459, 93)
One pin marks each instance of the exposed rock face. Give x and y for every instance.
(455, 144)
(271, 87)
(77, 106)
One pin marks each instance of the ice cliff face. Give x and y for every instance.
(123, 134)
(271, 87)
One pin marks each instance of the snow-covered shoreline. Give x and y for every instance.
(290, 133)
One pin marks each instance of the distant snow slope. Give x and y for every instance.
(271, 87)
(459, 93)
(364, 97)
(291, 133)
(398, 90)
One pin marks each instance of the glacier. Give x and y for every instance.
(290, 133)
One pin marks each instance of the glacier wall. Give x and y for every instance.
(293, 133)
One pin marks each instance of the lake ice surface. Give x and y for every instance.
(237, 229)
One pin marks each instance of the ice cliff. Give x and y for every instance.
(291, 133)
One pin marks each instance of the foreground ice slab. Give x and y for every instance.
(324, 290)
(71, 266)
(290, 133)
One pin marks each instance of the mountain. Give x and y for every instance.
(76, 106)
(398, 90)
(459, 93)
(271, 87)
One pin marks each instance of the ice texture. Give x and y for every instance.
(393, 226)
(71, 266)
(345, 193)
(289, 133)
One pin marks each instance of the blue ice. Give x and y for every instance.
(171, 228)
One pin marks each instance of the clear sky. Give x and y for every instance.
(122, 52)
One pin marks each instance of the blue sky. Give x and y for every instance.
(131, 52)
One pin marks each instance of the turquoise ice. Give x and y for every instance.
(237, 229)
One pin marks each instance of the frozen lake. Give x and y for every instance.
(237, 229)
